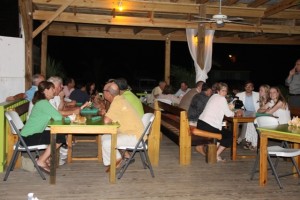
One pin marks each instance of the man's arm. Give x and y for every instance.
(16, 97)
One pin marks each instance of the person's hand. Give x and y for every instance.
(293, 71)
(86, 104)
(61, 95)
(238, 113)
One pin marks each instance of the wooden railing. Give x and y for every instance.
(6, 139)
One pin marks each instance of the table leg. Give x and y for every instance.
(297, 159)
(70, 136)
(112, 172)
(263, 161)
(234, 138)
(99, 145)
(53, 159)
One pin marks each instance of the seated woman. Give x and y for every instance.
(168, 94)
(277, 106)
(34, 132)
(251, 136)
(211, 119)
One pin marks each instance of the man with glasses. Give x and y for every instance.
(121, 111)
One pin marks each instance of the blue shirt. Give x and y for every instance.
(30, 93)
(249, 103)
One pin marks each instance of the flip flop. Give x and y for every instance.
(44, 169)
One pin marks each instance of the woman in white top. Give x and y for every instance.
(277, 106)
(212, 116)
(264, 98)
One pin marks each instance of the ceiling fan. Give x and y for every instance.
(220, 19)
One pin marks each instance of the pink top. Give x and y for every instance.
(67, 91)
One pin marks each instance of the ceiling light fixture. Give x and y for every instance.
(120, 5)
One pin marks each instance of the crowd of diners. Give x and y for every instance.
(205, 104)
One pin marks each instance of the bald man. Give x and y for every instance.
(121, 111)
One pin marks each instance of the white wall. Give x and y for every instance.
(12, 66)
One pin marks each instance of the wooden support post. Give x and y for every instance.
(167, 60)
(44, 52)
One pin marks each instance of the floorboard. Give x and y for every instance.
(84, 180)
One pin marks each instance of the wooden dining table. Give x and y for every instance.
(248, 116)
(278, 132)
(90, 127)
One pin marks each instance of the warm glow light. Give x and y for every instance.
(230, 56)
(195, 40)
(120, 5)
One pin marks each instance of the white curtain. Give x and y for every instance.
(201, 74)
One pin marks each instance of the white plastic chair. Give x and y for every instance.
(140, 147)
(275, 151)
(16, 125)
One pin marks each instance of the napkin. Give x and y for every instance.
(96, 118)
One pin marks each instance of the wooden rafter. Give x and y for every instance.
(137, 30)
(167, 31)
(256, 3)
(229, 2)
(51, 18)
(279, 7)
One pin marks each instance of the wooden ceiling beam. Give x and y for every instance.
(158, 23)
(143, 6)
(137, 30)
(166, 31)
(276, 8)
(201, 1)
(59, 29)
(229, 2)
(256, 3)
(51, 18)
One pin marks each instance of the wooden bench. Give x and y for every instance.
(175, 125)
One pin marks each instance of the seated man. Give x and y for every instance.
(156, 91)
(36, 79)
(168, 95)
(80, 94)
(131, 125)
(184, 88)
(129, 96)
(198, 103)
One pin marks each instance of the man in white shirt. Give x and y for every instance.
(184, 88)
(250, 100)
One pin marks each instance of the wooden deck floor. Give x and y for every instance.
(86, 180)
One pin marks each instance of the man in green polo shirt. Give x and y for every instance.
(129, 96)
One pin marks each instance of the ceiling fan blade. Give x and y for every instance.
(199, 17)
(241, 23)
(202, 21)
(235, 19)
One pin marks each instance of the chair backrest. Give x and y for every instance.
(14, 121)
(266, 121)
(147, 119)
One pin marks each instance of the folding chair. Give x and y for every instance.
(16, 124)
(140, 147)
(275, 151)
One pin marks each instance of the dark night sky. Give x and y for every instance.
(136, 58)
(131, 58)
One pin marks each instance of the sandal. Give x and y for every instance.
(46, 170)
(220, 159)
(247, 145)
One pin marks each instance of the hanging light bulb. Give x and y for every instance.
(120, 5)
